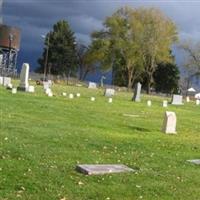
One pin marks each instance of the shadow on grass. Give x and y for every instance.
(139, 129)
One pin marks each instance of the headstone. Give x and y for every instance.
(92, 85)
(50, 94)
(177, 100)
(78, 94)
(31, 88)
(1, 80)
(47, 91)
(46, 85)
(169, 123)
(9, 86)
(110, 100)
(6, 81)
(71, 96)
(92, 98)
(24, 76)
(137, 92)
(14, 90)
(149, 103)
(187, 99)
(196, 161)
(197, 102)
(109, 92)
(102, 169)
(64, 94)
(165, 104)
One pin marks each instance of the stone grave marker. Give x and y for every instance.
(46, 85)
(9, 86)
(165, 104)
(92, 85)
(169, 123)
(78, 94)
(50, 94)
(92, 98)
(110, 100)
(102, 169)
(1, 80)
(187, 99)
(14, 90)
(196, 161)
(6, 81)
(149, 103)
(137, 92)
(64, 94)
(24, 77)
(31, 89)
(71, 96)
(47, 91)
(197, 102)
(177, 99)
(109, 92)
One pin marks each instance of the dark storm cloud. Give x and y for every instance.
(36, 17)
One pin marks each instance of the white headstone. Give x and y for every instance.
(14, 90)
(169, 123)
(9, 86)
(64, 94)
(149, 103)
(92, 98)
(177, 100)
(109, 92)
(31, 88)
(187, 99)
(1, 80)
(78, 94)
(110, 100)
(47, 91)
(137, 92)
(165, 104)
(24, 76)
(197, 102)
(46, 85)
(50, 94)
(6, 81)
(92, 85)
(71, 96)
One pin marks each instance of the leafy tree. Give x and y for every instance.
(192, 62)
(61, 46)
(117, 42)
(159, 33)
(85, 62)
(166, 78)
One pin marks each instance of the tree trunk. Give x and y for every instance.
(130, 79)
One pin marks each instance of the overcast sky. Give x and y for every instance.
(36, 17)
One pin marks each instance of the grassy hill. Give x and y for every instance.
(43, 139)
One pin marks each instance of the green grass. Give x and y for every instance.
(43, 139)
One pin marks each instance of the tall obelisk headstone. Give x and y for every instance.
(137, 92)
(24, 76)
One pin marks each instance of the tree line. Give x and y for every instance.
(135, 44)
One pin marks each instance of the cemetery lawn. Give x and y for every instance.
(42, 139)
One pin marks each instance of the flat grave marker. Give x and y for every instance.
(195, 161)
(103, 169)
